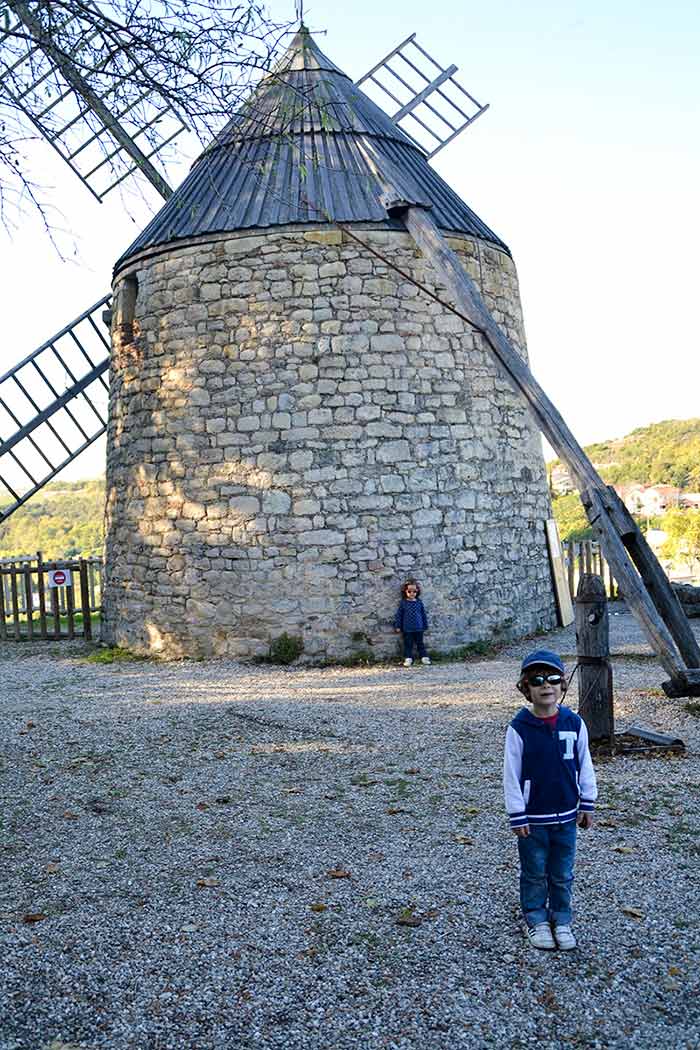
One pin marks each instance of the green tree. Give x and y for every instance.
(682, 528)
(571, 518)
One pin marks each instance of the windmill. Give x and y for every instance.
(651, 597)
(52, 403)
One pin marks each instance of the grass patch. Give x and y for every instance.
(113, 655)
(284, 650)
(480, 648)
(693, 708)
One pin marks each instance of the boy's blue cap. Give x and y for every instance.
(542, 657)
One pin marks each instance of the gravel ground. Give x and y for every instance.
(208, 855)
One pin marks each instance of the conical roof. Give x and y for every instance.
(308, 146)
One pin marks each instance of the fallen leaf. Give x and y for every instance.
(34, 916)
(408, 918)
(67, 815)
(470, 809)
(635, 913)
(673, 971)
(208, 882)
(395, 809)
(338, 873)
(411, 772)
(318, 907)
(51, 868)
(463, 840)
(623, 849)
(606, 824)
(201, 806)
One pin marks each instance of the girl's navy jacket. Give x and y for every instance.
(410, 616)
(548, 775)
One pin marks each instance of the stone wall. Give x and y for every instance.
(294, 429)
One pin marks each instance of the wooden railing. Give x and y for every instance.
(586, 556)
(31, 607)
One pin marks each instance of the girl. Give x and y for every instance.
(411, 621)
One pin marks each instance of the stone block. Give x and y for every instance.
(276, 502)
(244, 506)
(385, 344)
(333, 269)
(394, 452)
(321, 538)
(392, 483)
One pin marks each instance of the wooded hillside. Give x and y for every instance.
(665, 453)
(64, 519)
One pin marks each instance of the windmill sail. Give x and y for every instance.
(68, 79)
(53, 405)
(433, 107)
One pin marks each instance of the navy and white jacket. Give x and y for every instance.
(411, 616)
(548, 775)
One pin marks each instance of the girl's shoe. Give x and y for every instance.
(407, 662)
(564, 938)
(425, 660)
(540, 936)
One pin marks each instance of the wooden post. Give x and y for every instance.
(595, 704)
(70, 606)
(29, 599)
(471, 307)
(657, 583)
(570, 566)
(42, 594)
(3, 624)
(85, 600)
(15, 601)
(55, 607)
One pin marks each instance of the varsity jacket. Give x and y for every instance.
(411, 616)
(548, 775)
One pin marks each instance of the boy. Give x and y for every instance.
(549, 784)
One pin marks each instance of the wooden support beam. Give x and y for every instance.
(658, 585)
(472, 308)
(595, 680)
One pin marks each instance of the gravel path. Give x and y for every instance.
(207, 855)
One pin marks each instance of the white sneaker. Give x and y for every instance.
(407, 662)
(425, 660)
(564, 938)
(540, 936)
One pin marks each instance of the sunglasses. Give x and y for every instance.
(540, 679)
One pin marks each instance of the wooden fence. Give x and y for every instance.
(586, 556)
(30, 608)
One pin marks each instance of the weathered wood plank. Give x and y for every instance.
(595, 688)
(41, 589)
(658, 585)
(85, 600)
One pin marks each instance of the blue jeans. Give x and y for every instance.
(409, 637)
(547, 872)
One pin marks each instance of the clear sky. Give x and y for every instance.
(587, 164)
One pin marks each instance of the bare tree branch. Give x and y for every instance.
(154, 65)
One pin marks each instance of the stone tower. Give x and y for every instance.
(294, 426)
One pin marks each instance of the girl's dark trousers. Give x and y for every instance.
(409, 638)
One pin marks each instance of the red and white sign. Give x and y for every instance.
(60, 578)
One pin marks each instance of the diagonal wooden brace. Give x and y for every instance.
(603, 513)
